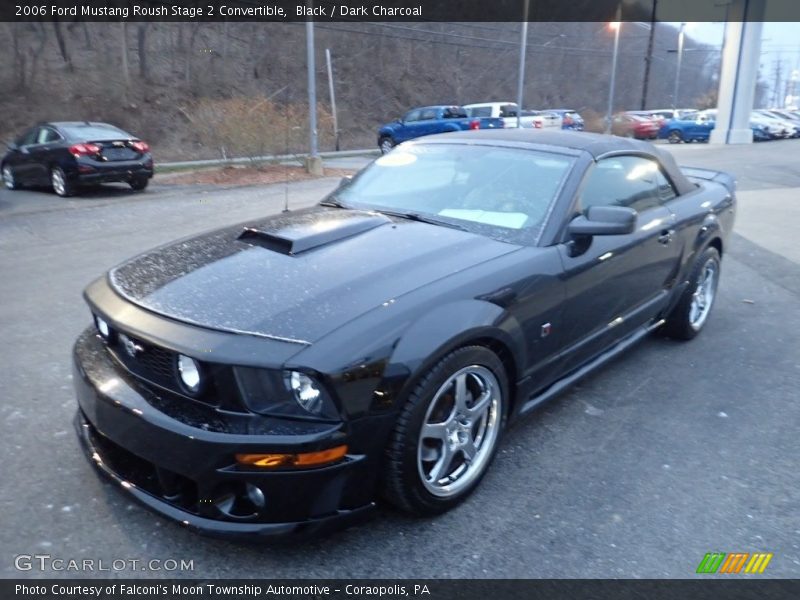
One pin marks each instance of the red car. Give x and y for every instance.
(636, 126)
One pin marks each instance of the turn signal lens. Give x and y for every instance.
(84, 149)
(303, 459)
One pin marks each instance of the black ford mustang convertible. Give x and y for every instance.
(280, 376)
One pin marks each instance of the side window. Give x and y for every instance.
(46, 135)
(508, 110)
(428, 114)
(481, 111)
(629, 181)
(454, 112)
(666, 191)
(412, 116)
(29, 137)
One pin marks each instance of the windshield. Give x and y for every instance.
(475, 186)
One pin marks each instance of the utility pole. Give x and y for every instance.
(649, 58)
(776, 95)
(522, 48)
(333, 98)
(616, 26)
(678, 68)
(313, 162)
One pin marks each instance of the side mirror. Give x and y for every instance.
(11, 145)
(604, 220)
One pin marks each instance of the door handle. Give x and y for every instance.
(666, 236)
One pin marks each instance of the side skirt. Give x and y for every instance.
(562, 384)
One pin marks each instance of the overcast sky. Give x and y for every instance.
(780, 43)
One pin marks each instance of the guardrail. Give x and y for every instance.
(223, 162)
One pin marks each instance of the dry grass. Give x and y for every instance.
(263, 175)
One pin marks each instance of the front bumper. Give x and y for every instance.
(188, 473)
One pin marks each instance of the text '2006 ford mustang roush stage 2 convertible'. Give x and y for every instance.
(280, 376)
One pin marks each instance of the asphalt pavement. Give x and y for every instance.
(672, 451)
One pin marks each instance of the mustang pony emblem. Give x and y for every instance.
(131, 347)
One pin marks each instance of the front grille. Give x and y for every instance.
(158, 361)
(148, 362)
(156, 365)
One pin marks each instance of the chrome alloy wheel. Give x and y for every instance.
(8, 177)
(704, 293)
(459, 431)
(57, 180)
(386, 146)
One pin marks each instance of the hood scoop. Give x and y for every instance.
(292, 235)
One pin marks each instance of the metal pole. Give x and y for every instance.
(312, 88)
(522, 47)
(613, 82)
(649, 58)
(333, 98)
(678, 70)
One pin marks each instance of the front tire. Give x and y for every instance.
(61, 185)
(675, 137)
(386, 144)
(447, 432)
(8, 178)
(691, 313)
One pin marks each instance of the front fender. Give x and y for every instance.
(451, 326)
(387, 131)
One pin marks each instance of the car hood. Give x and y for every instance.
(299, 275)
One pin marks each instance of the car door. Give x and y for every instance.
(409, 128)
(617, 283)
(21, 159)
(41, 154)
(428, 123)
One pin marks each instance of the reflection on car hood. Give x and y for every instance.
(228, 281)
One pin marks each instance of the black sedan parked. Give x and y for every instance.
(279, 376)
(67, 155)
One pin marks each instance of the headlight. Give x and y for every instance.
(285, 394)
(306, 391)
(189, 373)
(102, 327)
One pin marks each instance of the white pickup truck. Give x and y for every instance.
(508, 112)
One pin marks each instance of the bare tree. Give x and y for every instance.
(126, 76)
(62, 46)
(141, 41)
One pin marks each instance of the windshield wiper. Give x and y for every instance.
(422, 218)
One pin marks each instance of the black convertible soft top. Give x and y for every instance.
(595, 144)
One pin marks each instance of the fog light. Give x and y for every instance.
(102, 327)
(303, 459)
(189, 373)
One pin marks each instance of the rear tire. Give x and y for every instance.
(386, 144)
(139, 184)
(447, 432)
(61, 185)
(691, 313)
(675, 137)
